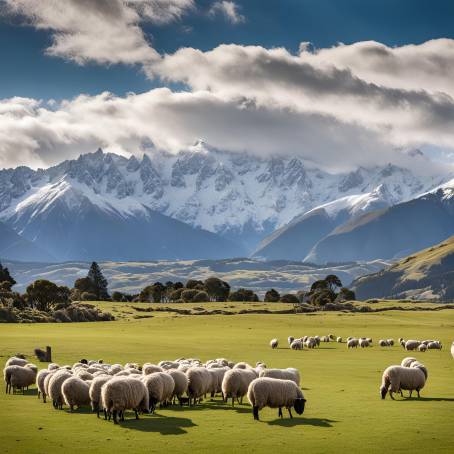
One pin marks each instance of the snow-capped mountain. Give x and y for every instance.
(238, 197)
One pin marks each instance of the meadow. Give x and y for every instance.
(343, 413)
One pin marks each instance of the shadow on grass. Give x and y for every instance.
(427, 399)
(215, 405)
(288, 422)
(165, 425)
(27, 392)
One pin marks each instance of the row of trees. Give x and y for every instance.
(45, 295)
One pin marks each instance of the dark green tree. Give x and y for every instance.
(333, 282)
(289, 298)
(243, 294)
(217, 289)
(45, 295)
(99, 282)
(272, 296)
(193, 283)
(6, 277)
(345, 294)
(153, 293)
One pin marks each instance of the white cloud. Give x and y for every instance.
(103, 31)
(229, 9)
(172, 121)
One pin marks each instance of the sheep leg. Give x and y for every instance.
(411, 392)
(418, 393)
(115, 417)
(71, 408)
(122, 415)
(44, 397)
(39, 393)
(280, 413)
(255, 412)
(290, 412)
(391, 395)
(233, 401)
(137, 414)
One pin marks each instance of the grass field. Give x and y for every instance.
(343, 412)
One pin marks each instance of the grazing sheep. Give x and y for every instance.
(15, 361)
(324, 339)
(133, 371)
(75, 392)
(435, 345)
(390, 342)
(397, 378)
(275, 393)
(242, 365)
(40, 377)
(122, 393)
(383, 343)
(95, 392)
(369, 339)
(123, 373)
(310, 342)
(217, 375)
(406, 362)
(363, 343)
(19, 377)
(297, 344)
(235, 384)
(83, 374)
(160, 386)
(290, 339)
(55, 384)
(148, 369)
(412, 344)
(352, 343)
(349, 338)
(422, 348)
(284, 374)
(339, 340)
(402, 342)
(115, 369)
(53, 366)
(317, 341)
(274, 343)
(169, 364)
(332, 336)
(181, 383)
(199, 383)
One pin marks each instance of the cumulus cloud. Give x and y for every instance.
(275, 78)
(229, 9)
(103, 31)
(40, 136)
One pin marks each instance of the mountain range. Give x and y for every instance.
(200, 203)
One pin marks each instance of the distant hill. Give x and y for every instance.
(428, 274)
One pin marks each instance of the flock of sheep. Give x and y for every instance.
(114, 388)
(363, 342)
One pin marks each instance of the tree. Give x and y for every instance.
(217, 289)
(44, 295)
(272, 296)
(189, 294)
(345, 294)
(99, 282)
(319, 285)
(243, 294)
(333, 282)
(153, 293)
(201, 297)
(193, 283)
(289, 298)
(84, 285)
(6, 277)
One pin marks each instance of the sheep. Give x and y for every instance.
(452, 349)
(324, 339)
(317, 341)
(422, 348)
(131, 366)
(169, 364)
(352, 343)
(421, 367)
(332, 336)
(242, 365)
(40, 377)
(115, 369)
(235, 384)
(297, 344)
(406, 362)
(383, 343)
(95, 392)
(133, 371)
(290, 339)
(349, 338)
(148, 369)
(412, 344)
(402, 342)
(364, 343)
(217, 375)
(53, 366)
(55, 384)
(160, 386)
(284, 374)
(339, 340)
(199, 383)
(369, 339)
(396, 378)
(310, 342)
(181, 383)
(390, 342)
(274, 343)
(435, 345)
(275, 393)
(19, 377)
(123, 393)
(75, 392)
(83, 374)
(15, 361)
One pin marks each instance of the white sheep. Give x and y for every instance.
(55, 384)
(435, 345)
(274, 343)
(352, 343)
(40, 377)
(19, 377)
(290, 339)
(406, 362)
(297, 344)
(452, 349)
(181, 383)
(199, 383)
(422, 348)
(284, 374)
(390, 342)
(412, 344)
(75, 392)
(310, 342)
(235, 384)
(15, 361)
(275, 393)
(95, 392)
(339, 339)
(397, 378)
(160, 386)
(217, 375)
(123, 393)
(363, 343)
(383, 343)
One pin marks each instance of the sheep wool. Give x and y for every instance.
(19, 377)
(412, 345)
(274, 343)
(383, 343)
(75, 392)
(217, 375)
(297, 344)
(181, 382)
(397, 378)
(352, 343)
(55, 384)
(284, 374)
(235, 383)
(290, 339)
(40, 377)
(123, 393)
(199, 382)
(160, 386)
(275, 393)
(15, 361)
(95, 392)
(406, 362)
(422, 348)
(149, 368)
(339, 340)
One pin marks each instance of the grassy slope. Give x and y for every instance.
(344, 411)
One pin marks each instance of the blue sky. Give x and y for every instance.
(27, 71)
